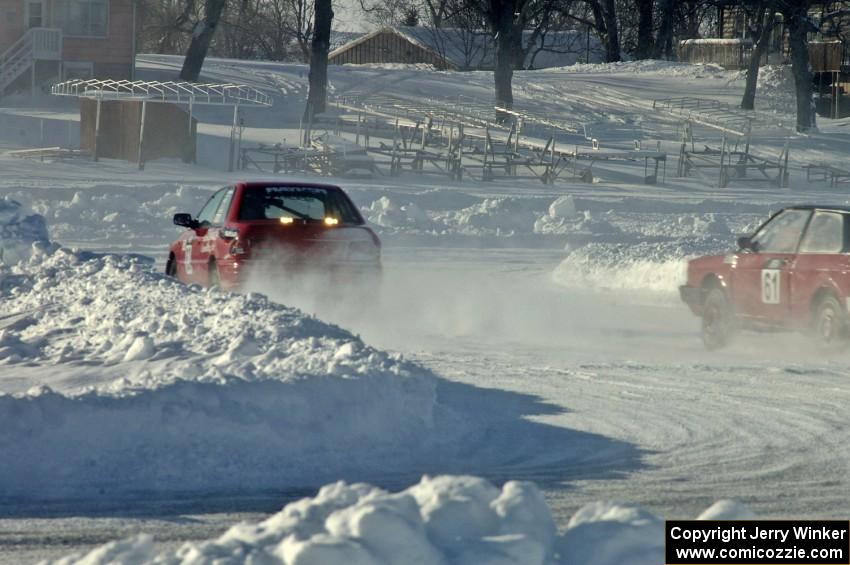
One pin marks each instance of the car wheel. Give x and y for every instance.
(213, 279)
(830, 323)
(717, 324)
(171, 267)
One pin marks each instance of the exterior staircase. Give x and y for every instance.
(37, 44)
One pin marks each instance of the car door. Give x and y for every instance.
(761, 279)
(211, 240)
(821, 263)
(198, 242)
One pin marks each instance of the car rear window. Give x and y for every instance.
(298, 202)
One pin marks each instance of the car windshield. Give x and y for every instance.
(297, 202)
(782, 233)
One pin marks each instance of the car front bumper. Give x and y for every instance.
(239, 273)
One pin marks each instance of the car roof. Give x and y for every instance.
(827, 208)
(264, 184)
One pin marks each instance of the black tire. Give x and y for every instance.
(171, 267)
(717, 322)
(213, 279)
(830, 323)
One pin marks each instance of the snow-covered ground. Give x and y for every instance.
(522, 332)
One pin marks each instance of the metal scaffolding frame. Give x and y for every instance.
(726, 118)
(168, 92)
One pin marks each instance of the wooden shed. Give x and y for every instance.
(387, 45)
(169, 133)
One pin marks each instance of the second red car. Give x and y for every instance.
(270, 229)
(792, 273)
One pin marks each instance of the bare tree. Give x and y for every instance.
(389, 12)
(202, 35)
(317, 97)
(411, 17)
(299, 23)
(574, 43)
(501, 18)
(165, 25)
(437, 11)
(465, 40)
(796, 15)
(664, 39)
(645, 41)
(600, 16)
(606, 26)
(534, 21)
(239, 30)
(763, 14)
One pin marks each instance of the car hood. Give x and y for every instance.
(708, 261)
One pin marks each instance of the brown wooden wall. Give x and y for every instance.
(825, 56)
(112, 55)
(388, 47)
(12, 24)
(729, 56)
(167, 132)
(111, 52)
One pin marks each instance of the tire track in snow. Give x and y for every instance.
(773, 437)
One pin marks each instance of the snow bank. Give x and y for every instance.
(107, 309)
(103, 214)
(487, 217)
(604, 533)
(496, 216)
(21, 234)
(386, 213)
(727, 510)
(563, 218)
(716, 41)
(653, 66)
(460, 520)
(170, 387)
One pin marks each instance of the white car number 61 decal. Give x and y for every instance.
(770, 286)
(187, 256)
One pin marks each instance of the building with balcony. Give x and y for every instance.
(44, 41)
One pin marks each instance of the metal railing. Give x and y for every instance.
(37, 44)
(46, 43)
(716, 115)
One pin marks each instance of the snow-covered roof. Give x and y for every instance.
(716, 41)
(340, 38)
(467, 49)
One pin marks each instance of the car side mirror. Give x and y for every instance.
(746, 243)
(185, 220)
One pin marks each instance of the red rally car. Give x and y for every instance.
(792, 273)
(273, 228)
